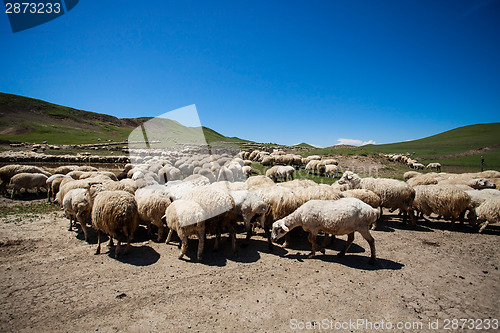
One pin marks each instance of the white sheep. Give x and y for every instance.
(443, 200)
(151, 208)
(115, 213)
(337, 217)
(247, 170)
(28, 181)
(394, 194)
(249, 206)
(225, 175)
(418, 166)
(257, 181)
(77, 205)
(8, 171)
(186, 218)
(331, 170)
(488, 212)
(364, 195)
(434, 167)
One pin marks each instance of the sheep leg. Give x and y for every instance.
(98, 251)
(232, 234)
(312, 239)
(49, 194)
(110, 244)
(161, 232)
(70, 223)
(366, 235)
(287, 240)
(184, 246)
(150, 230)
(118, 247)
(269, 241)
(201, 243)
(81, 220)
(169, 237)
(350, 239)
(326, 242)
(413, 217)
(127, 248)
(405, 215)
(484, 226)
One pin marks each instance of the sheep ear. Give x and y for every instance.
(349, 177)
(285, 228)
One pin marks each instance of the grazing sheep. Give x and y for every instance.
(443, 200)
(115, 213)
(330, 162)
(434, 167)
(8, 171)
(67, 186)
(488, 212)
(273, 173)
(338, 217)
(257, 181)
(394, 194)
(249, 206)
(477, 197)
(331, 170)
(51, 191)
(186, 218)
(27, 181)
(151, 208)
(268, 161)
(312, 166)
(281, 201)
(418, 166)
(364, 195)
(247, 170)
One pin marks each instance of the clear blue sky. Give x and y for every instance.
(270, 71)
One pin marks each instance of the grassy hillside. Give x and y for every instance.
(459, 149)
(24, 119)
(305, 145)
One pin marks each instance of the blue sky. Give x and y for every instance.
(270, 71)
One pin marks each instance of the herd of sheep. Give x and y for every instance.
(201, 194)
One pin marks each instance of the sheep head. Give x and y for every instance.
(279, 230)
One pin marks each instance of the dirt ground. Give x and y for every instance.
(51, 281)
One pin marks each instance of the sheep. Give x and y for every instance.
(364, 195)
(249, 206)
(338, 217)
(331, 170)
(197, 180)
(394, 194)
(219, 211)
(475, 183)
(268, 161)
(281, 201)
(423, 179)
(75, 174)
(27, 181)
(319, 192)
(93, 174)
(247, 170)
(51, 192)
(331, 162)
(64, 169)
(253, 155)
(168, 173)
(287, 172)
(86, 168)
(443, 200)
(8, 171)
(186, 218)
(115, 213)
(67, 186)
(418, 166)
(488, 212)
(410, 174)
(434, 167)
(476, 199)
(312, 165)
(77, 204)
(151, 208)
(299, 182)
(225, 175)
(257, 181)
(273, 173)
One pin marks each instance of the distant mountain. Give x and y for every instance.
(24, 119)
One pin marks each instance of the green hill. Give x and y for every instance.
(24, 119)
(305, 145)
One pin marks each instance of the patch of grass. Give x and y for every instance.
(31, 208)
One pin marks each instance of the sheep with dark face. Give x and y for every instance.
(336, 217)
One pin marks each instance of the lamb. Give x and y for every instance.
(27, 181)
(186, 218)
(338, 217)
(115, 213)
(434, 167)
(443, 200)
(394, 194)
(488, 212)
(151, 208)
